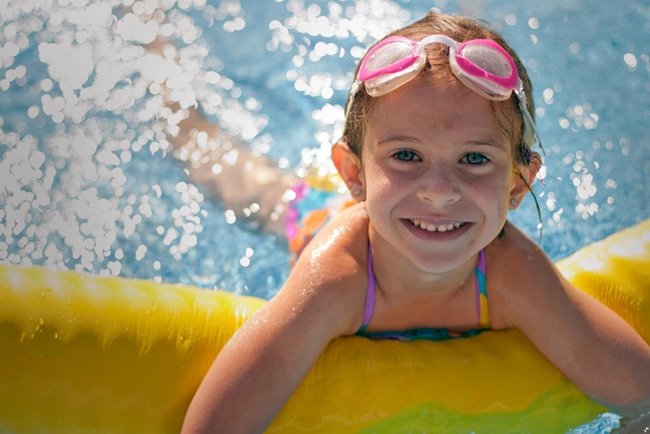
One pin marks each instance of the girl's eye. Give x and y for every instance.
(475, 159)
(406, 155)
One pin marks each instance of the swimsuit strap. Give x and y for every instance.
(370, 293)
(481, 293)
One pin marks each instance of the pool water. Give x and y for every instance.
(86, 184)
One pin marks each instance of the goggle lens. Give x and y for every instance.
(388, 54)
(488, 59)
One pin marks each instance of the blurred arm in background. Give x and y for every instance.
(226, 169)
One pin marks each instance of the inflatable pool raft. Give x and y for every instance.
(80, 353)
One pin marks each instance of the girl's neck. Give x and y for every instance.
(395, 274)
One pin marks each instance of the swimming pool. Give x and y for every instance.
(86, 185)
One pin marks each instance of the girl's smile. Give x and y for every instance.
(441, 231)
(438, 175)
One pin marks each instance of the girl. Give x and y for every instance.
(436, 150)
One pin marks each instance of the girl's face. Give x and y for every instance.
(437, 174)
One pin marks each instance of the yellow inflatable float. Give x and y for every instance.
(79, 353)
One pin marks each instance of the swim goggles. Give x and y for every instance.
(481, 64)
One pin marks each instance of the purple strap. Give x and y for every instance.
(481, 267)
(370, 293)
(481, 261)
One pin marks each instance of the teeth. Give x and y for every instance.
(434, 228)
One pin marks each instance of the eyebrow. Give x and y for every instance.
(491, 143)
(494, 144)
(398, 139)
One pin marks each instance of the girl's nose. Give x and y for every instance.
(439, 186)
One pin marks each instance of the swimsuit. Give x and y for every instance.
(427, 333)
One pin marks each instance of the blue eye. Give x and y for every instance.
(406, 155)
(475, 159)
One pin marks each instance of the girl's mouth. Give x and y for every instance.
(437, 228)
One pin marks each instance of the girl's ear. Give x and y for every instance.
(524, 180)
(349, 167)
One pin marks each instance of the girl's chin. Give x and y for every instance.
(436, 263)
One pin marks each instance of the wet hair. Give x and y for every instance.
(507, 114)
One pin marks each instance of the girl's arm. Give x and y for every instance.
(216, 160)
(258, 179)
(261, 366)
(593, 346)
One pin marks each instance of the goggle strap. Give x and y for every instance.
(530, 132)
(353, 92)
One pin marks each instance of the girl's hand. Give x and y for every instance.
(266, 360)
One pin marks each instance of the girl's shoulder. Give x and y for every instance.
(512, 244)
(344, 238)
(332, 268)
(518, 275)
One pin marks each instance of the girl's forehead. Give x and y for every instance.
(426, 106)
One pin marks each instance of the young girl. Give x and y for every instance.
(436, 150)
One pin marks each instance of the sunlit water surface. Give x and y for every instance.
(87, 182)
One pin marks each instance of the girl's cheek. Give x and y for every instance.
(387, 181)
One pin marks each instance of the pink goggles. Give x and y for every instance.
(481, 64)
